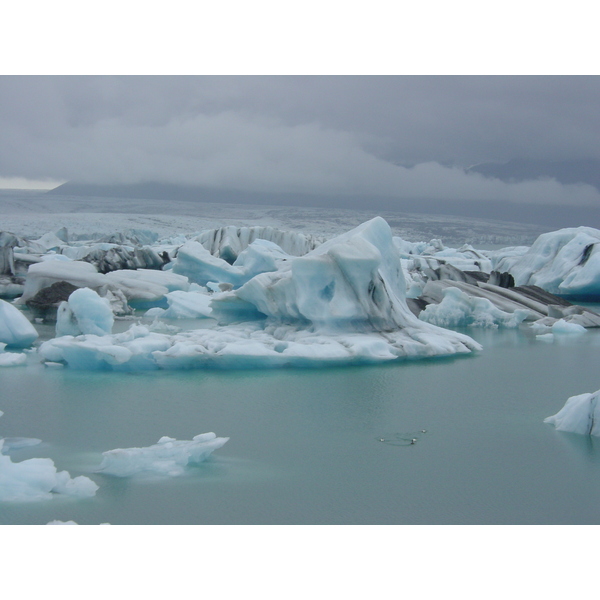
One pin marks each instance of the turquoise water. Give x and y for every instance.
(306, 444)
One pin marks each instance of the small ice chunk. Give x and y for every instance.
(12, 359)
(38, 479)
(562, 326)
(16, 443)
(168, 457)
(458, 309)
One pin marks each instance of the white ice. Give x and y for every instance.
(38, 479)
(343, 302)
(228, 242)
(167, 457)
(194, 304)
(201, 267)
(15, 328)
(566, 262)
(562, 326)
(84, 312)
(580, 414)
(458, 309)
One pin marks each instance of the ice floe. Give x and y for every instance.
(167, 457)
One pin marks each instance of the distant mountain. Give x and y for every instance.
(551, 216)
(565, 171)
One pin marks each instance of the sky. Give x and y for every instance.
(395, 136)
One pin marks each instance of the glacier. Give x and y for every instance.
(168, 456)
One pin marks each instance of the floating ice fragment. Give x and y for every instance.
(562, 326)
(167, 457)
(580, 414)
(38, 479)
(62, 523)
(15, 328)
(458, 309)
(85, 312)
(12, 359)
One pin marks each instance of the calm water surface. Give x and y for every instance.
(306, 445)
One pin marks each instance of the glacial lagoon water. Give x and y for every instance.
(326, 446)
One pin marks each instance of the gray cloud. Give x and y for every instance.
(389, 136)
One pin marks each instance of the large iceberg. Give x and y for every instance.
(564, 262)
(580, 414)
(15, 328)
(343, 302)
(167, 457)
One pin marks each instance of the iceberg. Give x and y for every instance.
(146, 287)
(15, 328)
(194, 304)
(201, 267)
(12, 359)
(38, 479)
(342, 303)
(580, 414)
(564, 262)
(458, 309)
(167, 457)
(228, 242)
(84, 312)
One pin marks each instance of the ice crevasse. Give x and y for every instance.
(343, 302)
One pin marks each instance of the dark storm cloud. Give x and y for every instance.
(343, 135)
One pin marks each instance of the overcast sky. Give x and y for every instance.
(404, 136)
